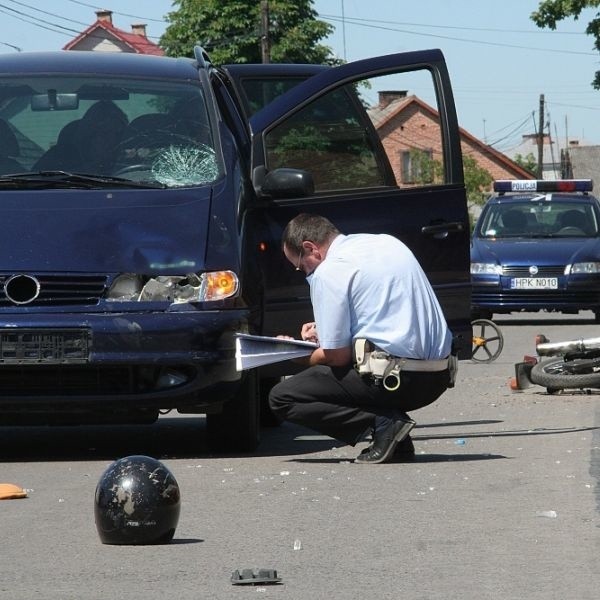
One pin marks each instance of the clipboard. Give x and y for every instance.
(256, 350)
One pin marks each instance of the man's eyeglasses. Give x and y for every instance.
(299, 259)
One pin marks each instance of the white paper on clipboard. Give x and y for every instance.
(255, 350)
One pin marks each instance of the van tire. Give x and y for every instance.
(237, 427)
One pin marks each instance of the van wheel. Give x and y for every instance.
(237, 427)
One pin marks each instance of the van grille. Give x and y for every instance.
(60, 289)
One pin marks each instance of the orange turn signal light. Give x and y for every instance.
(220, 284)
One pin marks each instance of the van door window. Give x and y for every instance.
(383, 131)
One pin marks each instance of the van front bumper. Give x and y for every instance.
(137, 360)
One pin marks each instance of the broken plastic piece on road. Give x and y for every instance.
(254, 576)
(10, 491)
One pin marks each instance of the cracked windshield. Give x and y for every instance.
(146, 132)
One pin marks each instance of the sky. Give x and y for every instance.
(500, 63)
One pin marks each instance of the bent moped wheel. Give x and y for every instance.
(553, 374)
(488, 341)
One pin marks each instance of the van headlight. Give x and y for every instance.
(177, 289)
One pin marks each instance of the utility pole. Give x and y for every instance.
(265, 42)
(540, 140)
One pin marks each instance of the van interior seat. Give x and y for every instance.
(9, 148)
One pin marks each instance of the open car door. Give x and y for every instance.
(381, 141)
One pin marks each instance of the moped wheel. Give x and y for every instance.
(488, 341)
(554, 375)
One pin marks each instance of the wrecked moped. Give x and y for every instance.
(572, 364)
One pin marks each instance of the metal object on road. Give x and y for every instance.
(254, 577)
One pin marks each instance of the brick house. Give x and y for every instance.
(407, 123)
(103, 36)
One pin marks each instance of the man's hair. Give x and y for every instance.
(313, 228)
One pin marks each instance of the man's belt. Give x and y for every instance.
(412, 364)
(385, 369)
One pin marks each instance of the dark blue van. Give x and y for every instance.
(142, 201)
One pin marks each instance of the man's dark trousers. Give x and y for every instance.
(338, 402)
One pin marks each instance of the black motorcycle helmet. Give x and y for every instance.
(137, 501)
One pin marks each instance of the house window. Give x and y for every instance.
(417, 166)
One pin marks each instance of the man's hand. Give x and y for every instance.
(309, 333)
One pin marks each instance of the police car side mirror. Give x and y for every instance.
(287, 183)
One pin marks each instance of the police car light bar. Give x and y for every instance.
(539, 185)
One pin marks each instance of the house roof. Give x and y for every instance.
(138, 43)
(383, 115)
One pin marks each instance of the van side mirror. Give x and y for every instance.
(287, 183)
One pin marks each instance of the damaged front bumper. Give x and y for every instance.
(157, 359)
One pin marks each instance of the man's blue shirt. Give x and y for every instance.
(371, 286)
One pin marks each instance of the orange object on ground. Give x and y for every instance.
(8, 491)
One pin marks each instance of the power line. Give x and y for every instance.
(516, 130)
(12, 46)
(117, 13)
(46, 13)
(468, 41)
(10, 12)
(44, 23)
(357, 21)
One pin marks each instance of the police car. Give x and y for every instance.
(536, 246)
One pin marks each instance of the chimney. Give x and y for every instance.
(139, 29)
(387, 97)
(104, 15)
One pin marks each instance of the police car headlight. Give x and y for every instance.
(485, 269)
(177, 289)
(584, 267)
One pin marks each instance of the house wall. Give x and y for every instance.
(585, 163)
(415, 128)
(488, 161)
(100, 42)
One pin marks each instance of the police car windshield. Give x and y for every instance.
(541, 218)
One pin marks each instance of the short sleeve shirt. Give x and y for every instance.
(372, 286)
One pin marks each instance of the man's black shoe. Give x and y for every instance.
(385, 440)
(405, 450)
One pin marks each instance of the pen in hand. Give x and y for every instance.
(309, 332)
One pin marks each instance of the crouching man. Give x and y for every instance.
(384, 345)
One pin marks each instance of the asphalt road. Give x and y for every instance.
(501, 501)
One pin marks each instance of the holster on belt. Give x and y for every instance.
(381, 366)
(384, 369)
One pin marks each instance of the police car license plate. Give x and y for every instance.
(534, 283)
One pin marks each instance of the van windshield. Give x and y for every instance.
(145, 131)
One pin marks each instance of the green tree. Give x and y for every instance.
(527, 162)
(550, 12)
(230, 31)
(477, 181)
(423, 168)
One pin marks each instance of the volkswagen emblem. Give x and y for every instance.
(533, 270)
(22, 289)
